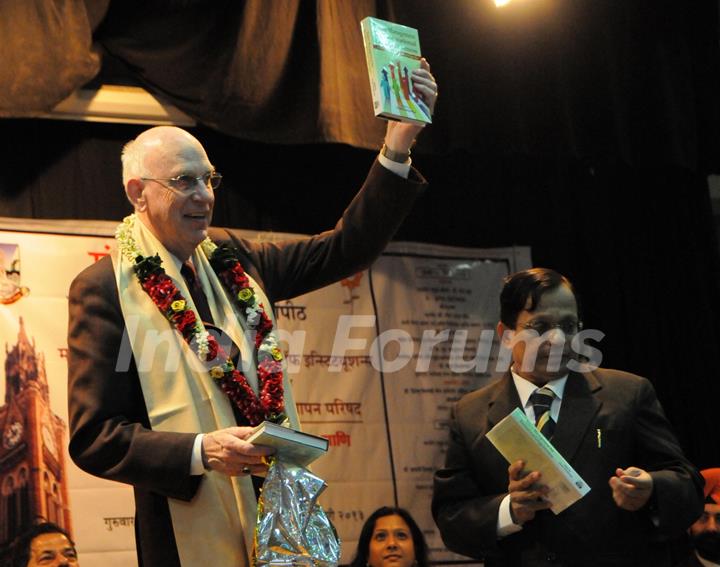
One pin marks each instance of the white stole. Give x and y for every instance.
(181, 396)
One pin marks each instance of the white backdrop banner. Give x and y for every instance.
(376, 362)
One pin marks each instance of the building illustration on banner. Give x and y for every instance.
(33, 478)
(10, 288)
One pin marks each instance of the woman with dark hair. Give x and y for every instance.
(391, 538)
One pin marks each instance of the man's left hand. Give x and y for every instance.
(631, 488)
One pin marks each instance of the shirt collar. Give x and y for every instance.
(525, 388)
(178, 263)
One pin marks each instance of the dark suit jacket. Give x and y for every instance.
(593, 531)
(110, 435)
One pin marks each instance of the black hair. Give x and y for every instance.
(363, 546)
(21, 546)
(529, 284)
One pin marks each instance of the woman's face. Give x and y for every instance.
(391, 544)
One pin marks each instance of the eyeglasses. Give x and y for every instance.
(541, 327)
(186, 184)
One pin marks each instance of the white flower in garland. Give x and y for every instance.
(126, 242)
(208, 246)
(253, 316)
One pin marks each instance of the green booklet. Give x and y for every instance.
(392, 52)
(516, 438)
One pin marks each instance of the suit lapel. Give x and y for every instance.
(504, 401)
(578, 409)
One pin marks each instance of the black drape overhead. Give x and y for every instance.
(636, 80)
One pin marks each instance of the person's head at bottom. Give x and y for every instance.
(705, 532)
(44, 544)
(390, 537)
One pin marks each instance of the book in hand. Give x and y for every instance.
(392, 52)
(517, 439)
(291, 445)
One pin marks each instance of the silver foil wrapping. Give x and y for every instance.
(292, 528)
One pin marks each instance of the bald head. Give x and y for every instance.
(155, 146)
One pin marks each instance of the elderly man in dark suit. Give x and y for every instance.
(173, 351)
(607, 424)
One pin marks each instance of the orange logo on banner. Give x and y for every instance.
(351, 283)
(98, 255)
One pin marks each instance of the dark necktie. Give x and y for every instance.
(196, 292)
(541, 401)
(203, 308)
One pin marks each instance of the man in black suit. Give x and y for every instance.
(145, 409)
(607, 424)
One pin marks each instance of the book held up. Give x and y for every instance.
(291, 446)
(392, 52)
(516, 438)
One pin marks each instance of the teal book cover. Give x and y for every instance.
(392, 52)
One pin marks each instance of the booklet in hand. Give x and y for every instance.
(516, 438)
(291, 446)
(392, 52)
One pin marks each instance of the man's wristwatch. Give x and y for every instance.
(398, 157)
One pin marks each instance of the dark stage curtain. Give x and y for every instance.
(636, 80)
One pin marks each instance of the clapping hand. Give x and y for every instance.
(631, 488)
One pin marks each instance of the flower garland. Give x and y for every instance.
(166, 296)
